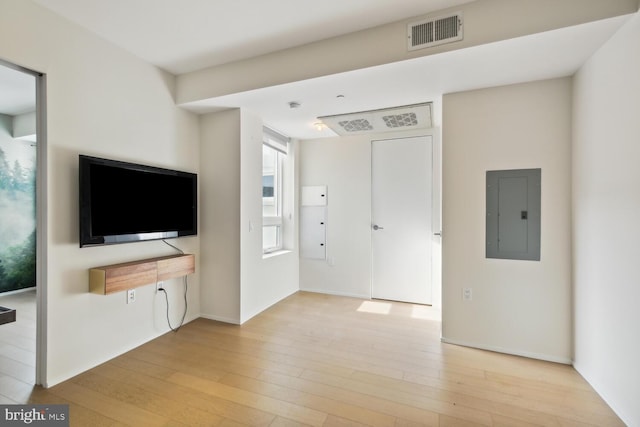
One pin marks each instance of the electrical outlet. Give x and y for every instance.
(159, 285)
(131, 296)
(467, 294)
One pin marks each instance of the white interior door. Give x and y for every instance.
(401, 219)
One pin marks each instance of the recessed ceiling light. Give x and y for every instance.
(319, 126)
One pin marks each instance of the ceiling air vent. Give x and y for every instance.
(435, 31)
(357, 125)
(406, 117)
(400, 120)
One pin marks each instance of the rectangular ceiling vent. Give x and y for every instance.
(400, 120)
(357, 125)
(435, 31)
(407, 117)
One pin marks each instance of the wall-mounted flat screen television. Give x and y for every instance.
(126, 202)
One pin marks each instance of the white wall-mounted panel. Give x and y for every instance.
(313, 195)
(313, 223)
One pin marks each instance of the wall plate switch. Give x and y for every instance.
(467, 294)
(131, 295)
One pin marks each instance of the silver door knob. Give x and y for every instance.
(376, 227)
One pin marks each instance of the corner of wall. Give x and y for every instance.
(606, 101)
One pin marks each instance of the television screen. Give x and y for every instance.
(125, 202)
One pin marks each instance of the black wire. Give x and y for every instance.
(166, 296)
(186, 305)
(177, 249)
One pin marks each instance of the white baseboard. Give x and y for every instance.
(278, 299)
(530, 355)
(220, 318)
(341, 294)
(599, 388)
(17, 291)
(51, 381)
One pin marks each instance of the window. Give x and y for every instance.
(274, 152)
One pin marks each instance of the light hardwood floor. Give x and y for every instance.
(18, 348)
(324, 360)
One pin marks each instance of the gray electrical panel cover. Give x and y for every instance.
(513, 214)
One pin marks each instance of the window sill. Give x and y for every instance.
(275, 253)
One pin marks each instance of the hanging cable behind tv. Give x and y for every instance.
(166, 295)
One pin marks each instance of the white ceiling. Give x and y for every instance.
(186, 35)
(17, 91)
(546, 55)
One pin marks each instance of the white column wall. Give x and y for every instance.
(606, 230)
(220, 215)
(265, 280)
(518, 307)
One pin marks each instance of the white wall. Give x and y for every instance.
(6, 127)
(519, 307)
(344, 165)
(238, 282)
(15, 149)
(264, 280)
(606, 202)
(220, 215)
(24, 125)
(100, 101)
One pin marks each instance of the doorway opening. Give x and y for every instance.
(22, 136)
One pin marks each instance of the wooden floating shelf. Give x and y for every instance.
(119, 277)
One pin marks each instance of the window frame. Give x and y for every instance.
(277, 143)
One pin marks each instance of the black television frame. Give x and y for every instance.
(88, 238)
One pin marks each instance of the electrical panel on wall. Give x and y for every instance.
(513, 214)
(313, 222)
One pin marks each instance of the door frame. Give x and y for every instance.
(436, 207)
(41, 219)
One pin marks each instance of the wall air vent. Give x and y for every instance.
(407, 117)
(435, 31)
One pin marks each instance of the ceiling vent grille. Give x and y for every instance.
(435, 31)
(357, 125)
(400, 120)
(407, 117)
